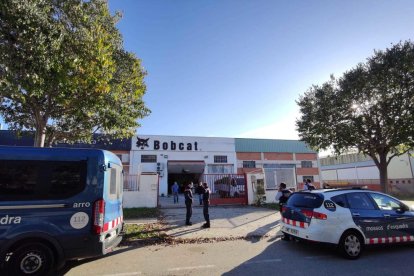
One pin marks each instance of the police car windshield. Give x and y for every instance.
(305, 200)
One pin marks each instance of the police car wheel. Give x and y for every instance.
(351, 245)
(33, 258)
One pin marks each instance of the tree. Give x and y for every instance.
(64, 73)
(370, 108)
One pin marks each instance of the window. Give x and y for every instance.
(115, 180)
(359, 201)
(220, 159)
(220, 168)
(34, 180)
(305, 200)
(65, 179)
(148, 158)
(275, 176)
(112, 186)
(386, 203)
(249, 164)
(307, 177)
(306, 164)
(340, 200)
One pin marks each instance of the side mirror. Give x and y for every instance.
(403, 208)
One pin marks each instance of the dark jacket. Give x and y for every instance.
(200, 190)
(206, 195)
(188, 195)
(285, 196)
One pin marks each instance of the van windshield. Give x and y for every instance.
(305, 200)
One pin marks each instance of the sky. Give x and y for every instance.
(235, 68)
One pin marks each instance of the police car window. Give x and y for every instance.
(359, 201)
(306, 200)
(385, 202)
(340, 200)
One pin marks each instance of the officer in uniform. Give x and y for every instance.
(206, 203)
(188, 195)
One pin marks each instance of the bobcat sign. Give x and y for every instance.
(144, 143)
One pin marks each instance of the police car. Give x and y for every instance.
(348, 218)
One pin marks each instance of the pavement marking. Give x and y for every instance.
(124, 274)
(190, 267)
(264, 261)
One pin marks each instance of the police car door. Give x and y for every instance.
(400, 220)
(367, 216)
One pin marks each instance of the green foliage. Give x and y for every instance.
(370, 108)
(64, 72)
(260, 200)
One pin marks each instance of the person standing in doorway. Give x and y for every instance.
(206, 203)
(188, 195)
(200, 191)
(175, 188)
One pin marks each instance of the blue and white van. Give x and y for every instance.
(57, 204)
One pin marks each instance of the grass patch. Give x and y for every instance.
(144, 231)
(136, 213)
(273, 206)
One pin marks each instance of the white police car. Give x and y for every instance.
(348, 218)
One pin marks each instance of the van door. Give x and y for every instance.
(113, 201)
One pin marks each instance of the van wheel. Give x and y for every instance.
(351, 245)
(33, 258)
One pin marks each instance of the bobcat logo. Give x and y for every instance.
(142, 143)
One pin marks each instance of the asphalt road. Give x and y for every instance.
(263, 257)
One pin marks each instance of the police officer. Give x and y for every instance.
(188, 195)
(206, 203)
(283, 195)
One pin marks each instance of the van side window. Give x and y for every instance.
(36, 180)
(115, 182)
(17, 179)
(65, 179)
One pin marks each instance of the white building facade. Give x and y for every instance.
(183, 159)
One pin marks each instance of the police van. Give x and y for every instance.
(347, 218)
(57, 204)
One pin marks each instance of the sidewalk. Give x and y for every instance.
(226, 221)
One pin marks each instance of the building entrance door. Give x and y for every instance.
(184, 172)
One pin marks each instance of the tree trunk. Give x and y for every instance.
(383, 171)
(40, 137)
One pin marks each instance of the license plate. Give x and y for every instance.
(291, 231)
